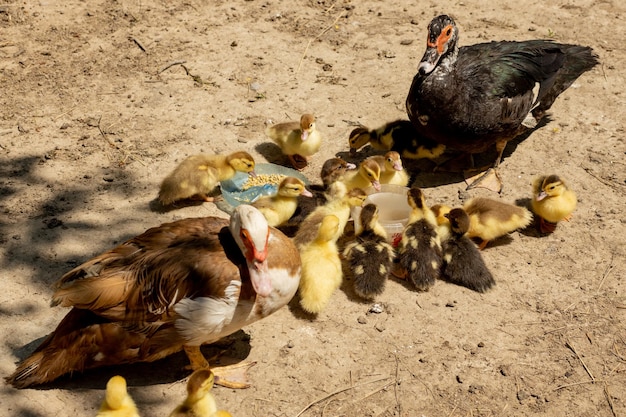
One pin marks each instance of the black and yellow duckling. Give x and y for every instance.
(400, 136)
(297, 140)
(463, 263)
(370, 256)
(419, 255)
(117, 402)
(279, 208)
(321, 266)
(199, 402)
(489, 218)
(552, 202)
(199, 175)
(391, 169)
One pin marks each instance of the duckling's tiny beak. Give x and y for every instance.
(252, 174)
(350, 165)
(305, 135)
(397, 166)
(541, 196)
(306, 193)
(376, 185)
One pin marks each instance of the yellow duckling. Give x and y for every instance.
(399, 136)
(419, 256)
(489, 218)
(321, 266)
(340, 203)
(367, 175)
(463, 264)
(199, 402)
(297, 140)
(370, 256)
(392, 171)
(117, 402)
(198, 175)
(279, 208)
(552, 201)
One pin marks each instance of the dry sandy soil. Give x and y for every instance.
(92, 118)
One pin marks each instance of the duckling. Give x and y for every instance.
(117, 402)
(333, 169)
(198, 175)
(368, 174)
(340, 202)
(391, 169)
(489, 218)
(463, 264)
(199, 402)
(400, 136)
(279, 208)
(321, 266)
(419, 256)
(297, 140)
(370, 256)
(440, 210)
(552, 202)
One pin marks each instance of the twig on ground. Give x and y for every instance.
(316, 38)
(171, 64)
(599, 178)
(607, 394)
(339, 391)
(138, 44)
(573, 384)
(607, 272)
(569, 345)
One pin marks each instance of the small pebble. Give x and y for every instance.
(376, 309)
(361, 320)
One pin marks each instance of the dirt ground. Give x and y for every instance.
(96, 109)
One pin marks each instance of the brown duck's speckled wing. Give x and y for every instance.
(142, 278)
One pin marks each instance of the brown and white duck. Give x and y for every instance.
(175, 287)
(474, 97)
(400, 136)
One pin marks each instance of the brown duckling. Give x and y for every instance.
(297, 140)
(367, 175)
(391, 169)
(489, 218)
(370, 256)
(117, 402)
(399, 136)
(552, 202)
(279, 208)
(463, 264)
(333, 169)
(419, 256)
(199, 402)
(321, 266)
(198, 175)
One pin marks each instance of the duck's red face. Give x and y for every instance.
(441, 39)
(256, 258)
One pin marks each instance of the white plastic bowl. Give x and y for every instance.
(393, 208)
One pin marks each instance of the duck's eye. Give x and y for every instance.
(449, 31)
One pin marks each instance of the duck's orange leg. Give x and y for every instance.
(231, 376)
(483, 244)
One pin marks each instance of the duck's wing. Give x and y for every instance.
(141, 279)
